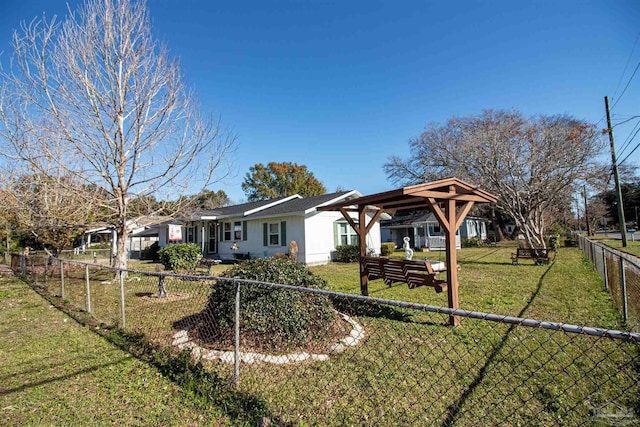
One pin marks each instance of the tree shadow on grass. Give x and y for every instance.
(65, 377)
(454, 410)
(357, 308)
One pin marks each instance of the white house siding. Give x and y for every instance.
(320, 244)
(253, 242)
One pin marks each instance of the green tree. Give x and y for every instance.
(280, 180)
(630, 200)
(212, 199)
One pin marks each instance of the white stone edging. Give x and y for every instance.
(182, 341)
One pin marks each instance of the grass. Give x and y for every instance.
(412, 368)
(633, 243)
(57, 372)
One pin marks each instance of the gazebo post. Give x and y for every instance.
(452, 261)
(362, 239)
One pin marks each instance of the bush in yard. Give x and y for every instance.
(183, 256)
(473, 242)
(554, 242)
(347, 253)
(151, 252)
(387, 248)
(269, 318)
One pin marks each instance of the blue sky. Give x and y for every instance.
(339, 86)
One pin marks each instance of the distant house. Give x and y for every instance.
(424, 231)
(143, 232)
(265, 228)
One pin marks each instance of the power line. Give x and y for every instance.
(634, 149)
(626, 86)
(625, 67)
(627, 141)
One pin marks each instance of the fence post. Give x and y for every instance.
(604, 269)
(61, 279)
(236, 353)
(623, 286)
(124, 324)
(88, 287)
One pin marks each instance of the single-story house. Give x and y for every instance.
(143, 232)
(424, 231)
(266, 228)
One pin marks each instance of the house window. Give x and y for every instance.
(274, 234)
(191, 233)
(346, 234)
(237, 230)
(227, 231)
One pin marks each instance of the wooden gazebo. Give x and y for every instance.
(449, 199)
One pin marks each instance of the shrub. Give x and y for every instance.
(273, 318)
(151, 252)
(347, 253)
(387, 248)
(554, 242)
(183, 256)
(473, 242)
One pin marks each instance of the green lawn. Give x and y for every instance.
(57, 372)
(633, 243)
(413, 369)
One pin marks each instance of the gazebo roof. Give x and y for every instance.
(413, 197)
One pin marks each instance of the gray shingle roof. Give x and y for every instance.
(237, 209)
(296, 206)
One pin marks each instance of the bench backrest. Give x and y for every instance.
(414, 273)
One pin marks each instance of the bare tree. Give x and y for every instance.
(53, 208)
(530, 164)
(100, 85)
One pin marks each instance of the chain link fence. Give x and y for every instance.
(378, 362)
(621, 275)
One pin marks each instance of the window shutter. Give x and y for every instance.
(283, 233)
(221, 229)
(244, 230)
(335, 234)
(265, 234)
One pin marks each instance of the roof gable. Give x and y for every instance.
(243, 209)
(304, 205)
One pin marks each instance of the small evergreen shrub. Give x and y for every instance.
(183, 256)
(554, 242)
(387, 248)
(347, 253)
(151, 252)
(270, 318)
(473, 242)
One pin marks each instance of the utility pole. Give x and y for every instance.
(586, 211)
(616, 176)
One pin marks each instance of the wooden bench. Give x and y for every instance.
(413, 273)
(540, 256)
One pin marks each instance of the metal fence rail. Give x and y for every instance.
(621, 275)
(387, 363)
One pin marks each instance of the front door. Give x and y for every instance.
(212, 246)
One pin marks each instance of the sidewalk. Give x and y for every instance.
(57, 372)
